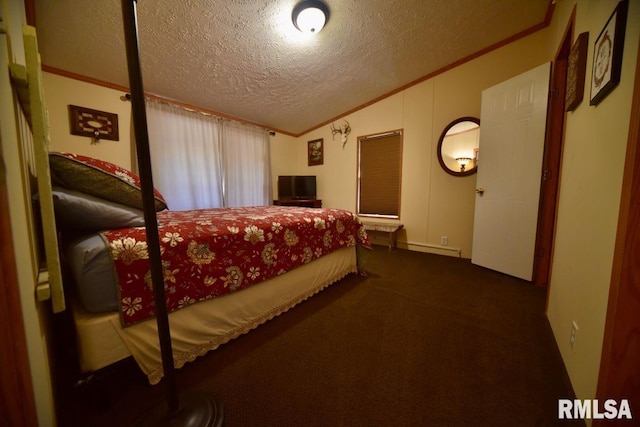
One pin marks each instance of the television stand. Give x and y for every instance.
(305, 203)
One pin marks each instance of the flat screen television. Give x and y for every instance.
(296, 187)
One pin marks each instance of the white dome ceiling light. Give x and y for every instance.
(310, 16)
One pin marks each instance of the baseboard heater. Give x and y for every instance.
(439, 247)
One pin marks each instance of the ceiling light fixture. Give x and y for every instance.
(310, 16)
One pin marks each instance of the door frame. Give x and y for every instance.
(552, 161)
(619, 375)
(19, 407)
(16, 385)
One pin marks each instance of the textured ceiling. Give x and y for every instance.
(244, 58)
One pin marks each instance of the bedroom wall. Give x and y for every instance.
(591, 182)
(433, 203)
(61, 92)
(285, 152)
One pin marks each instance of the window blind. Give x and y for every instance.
(380, 172)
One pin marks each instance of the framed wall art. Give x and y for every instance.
(607, 54)
(576, 71)
(93, 123)
(315, 152)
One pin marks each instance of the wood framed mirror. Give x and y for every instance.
(458, 146)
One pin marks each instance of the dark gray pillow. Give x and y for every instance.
(99, 178)
(83, 213)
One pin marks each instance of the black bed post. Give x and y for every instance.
(194, 408)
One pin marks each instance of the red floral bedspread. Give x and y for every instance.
(212, 252)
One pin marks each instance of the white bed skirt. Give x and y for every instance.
(204, 326)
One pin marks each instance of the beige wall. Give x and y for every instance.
(591, 178)
(62, 92)
(433, 203)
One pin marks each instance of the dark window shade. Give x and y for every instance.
(380, 167)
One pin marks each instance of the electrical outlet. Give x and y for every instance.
(574, 334)
(444, 240)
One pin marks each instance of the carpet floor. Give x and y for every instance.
(423, 340)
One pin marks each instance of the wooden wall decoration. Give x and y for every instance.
(577, 67)
(93, 123)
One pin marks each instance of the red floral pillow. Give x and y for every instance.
(100, 179)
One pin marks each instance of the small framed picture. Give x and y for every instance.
(607, 54)
(315, 152)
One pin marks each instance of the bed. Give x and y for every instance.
(226, 271)
(90, 215)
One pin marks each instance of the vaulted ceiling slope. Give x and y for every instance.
(245, 59)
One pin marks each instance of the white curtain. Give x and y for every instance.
(246, 165)
(199, 161)
(185, 156)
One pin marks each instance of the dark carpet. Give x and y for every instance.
(424, 340)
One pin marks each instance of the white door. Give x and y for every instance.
(512, 133)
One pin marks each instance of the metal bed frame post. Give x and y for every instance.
(192, 408)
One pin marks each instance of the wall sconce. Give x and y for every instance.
(310, 16)
(463, 162)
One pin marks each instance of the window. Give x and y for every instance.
(200, 161)
(380, 174)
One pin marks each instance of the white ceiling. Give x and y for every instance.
(245, 59)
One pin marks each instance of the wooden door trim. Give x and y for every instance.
(619, 377)
(16, 388)
(552, 162)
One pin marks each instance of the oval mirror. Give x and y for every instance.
(458, 146)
